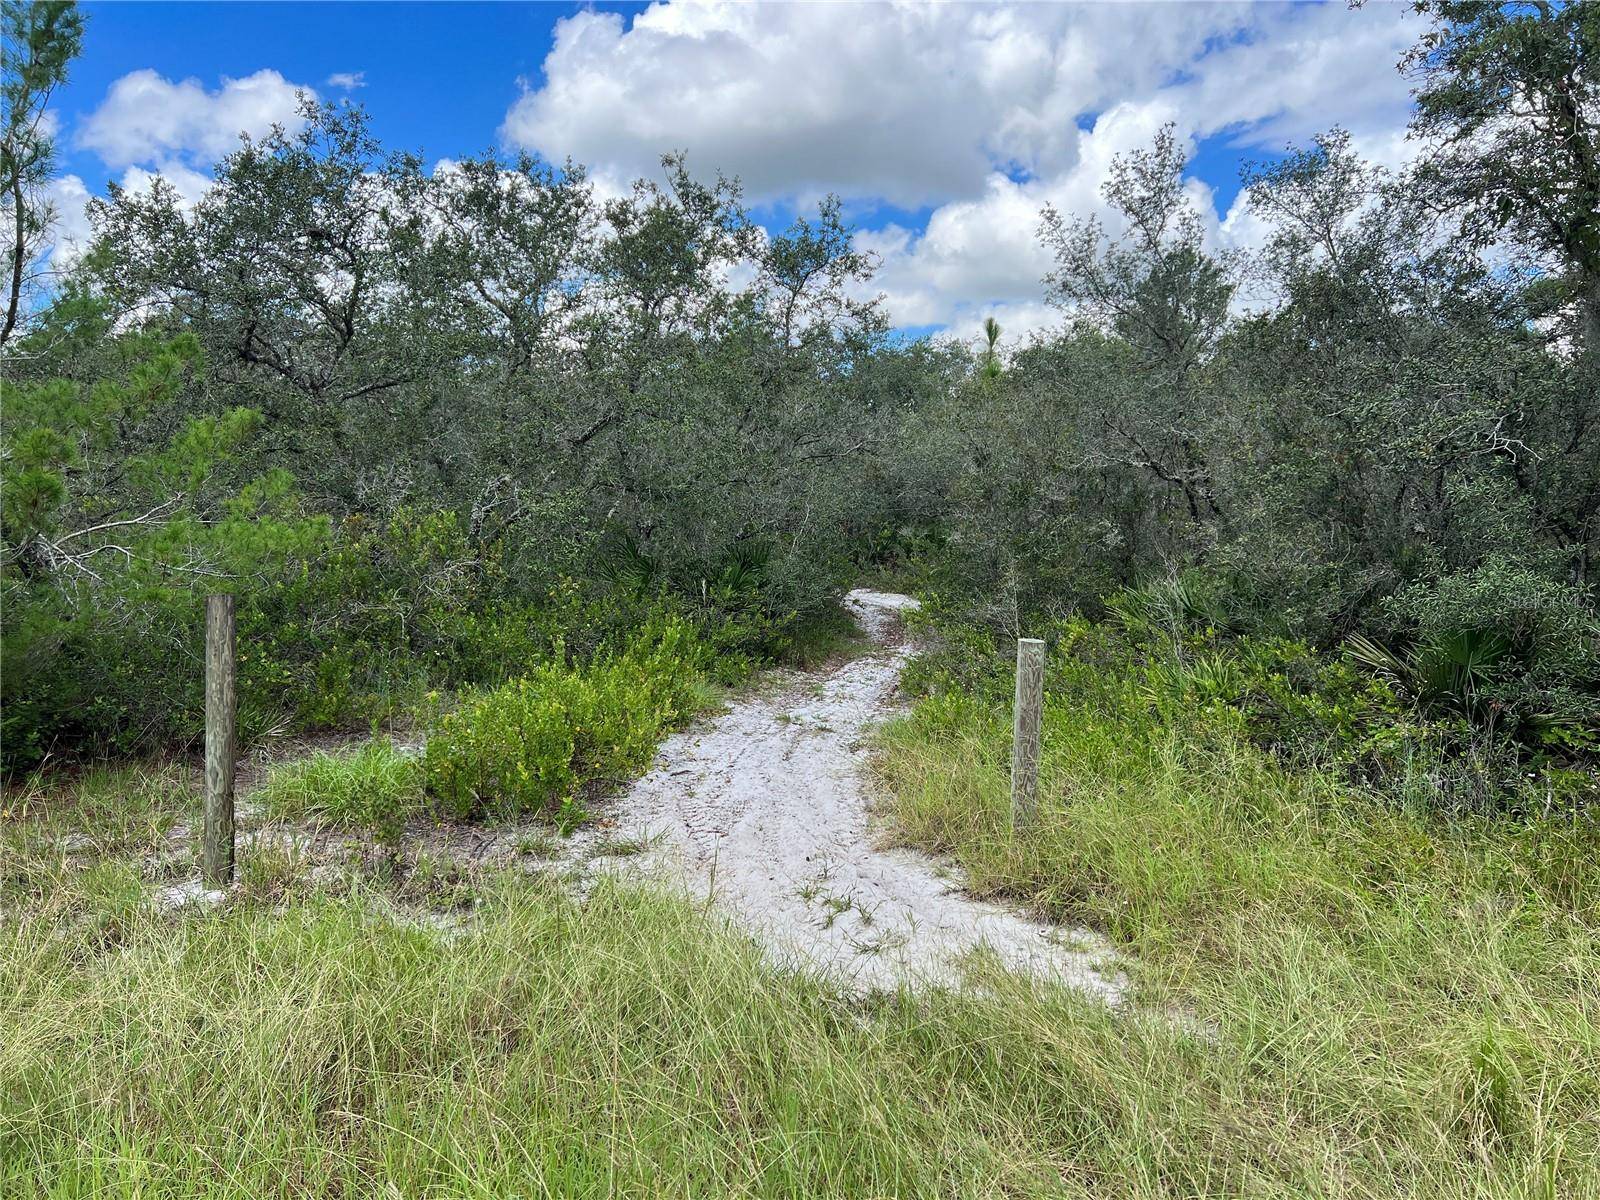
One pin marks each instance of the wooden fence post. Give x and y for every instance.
(216, 847)
(1025, 730)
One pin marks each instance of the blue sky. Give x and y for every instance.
(437, 77)
(945, 128)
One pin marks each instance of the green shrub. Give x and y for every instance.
(338, 625)
(1503, 644)
(534, 743)
(386, 609)
(1161, 663)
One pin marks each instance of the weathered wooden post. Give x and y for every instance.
(216, 847)
(1025, 731)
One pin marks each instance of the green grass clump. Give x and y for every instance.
(373, 785)
(70, 835)
(532, 744)
(102, 809)
(1402, 1003)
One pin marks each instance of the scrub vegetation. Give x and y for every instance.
(1404, 1000)
(510, 480)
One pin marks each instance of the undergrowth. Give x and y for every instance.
(624, 1046)
(1403, 1001)
(1336, 994)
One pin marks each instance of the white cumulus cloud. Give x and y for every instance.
(190, 185)
(910, 103)
(983, 256)
(977, 116)
(68, 199)
(146, 118)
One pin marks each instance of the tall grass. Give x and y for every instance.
(371, 784)
(630, 1046)
(627, 1045)
(1335, 997)
(1398, 1003)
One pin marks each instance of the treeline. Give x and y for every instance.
(429, 425)
(432, 425)
(1397, 458)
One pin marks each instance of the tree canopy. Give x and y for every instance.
(455, 396)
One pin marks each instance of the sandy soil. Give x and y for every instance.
(765, 810)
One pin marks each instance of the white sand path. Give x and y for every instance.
(765, 810)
